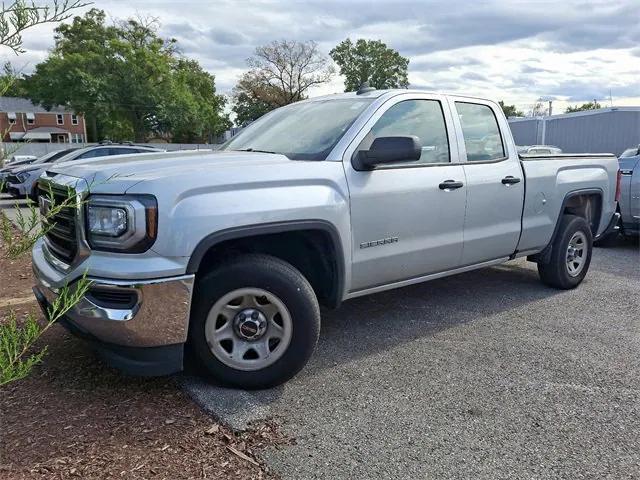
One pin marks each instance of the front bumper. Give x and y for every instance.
(16, 189)
(145, 337)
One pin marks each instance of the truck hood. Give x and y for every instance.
(117, 174)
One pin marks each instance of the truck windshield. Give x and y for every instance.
(301, 131)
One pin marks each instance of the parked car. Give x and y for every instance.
(22, 182)
(631, 152)
(317, 202)
(629, 204)
(539, 150)
(15, 159)
(4, 172)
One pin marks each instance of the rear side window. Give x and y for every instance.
(123, 151)
(482, 138)
(97, 152)
(422, 118)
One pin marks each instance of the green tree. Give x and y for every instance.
(282, 72)
(252, 99)
(12, 84)
(126, 79)
(510, 110)
(191, 109)
(585, 106)
(372, 62)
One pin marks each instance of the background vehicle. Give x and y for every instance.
(23, 181)
(15, 159)
(631, 152)
(4, 172)
(317, 202)
(539, 150)
(629, 202)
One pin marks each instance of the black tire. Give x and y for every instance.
(280, 279)
(555, 273)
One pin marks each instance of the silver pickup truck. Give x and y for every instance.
(229, 254)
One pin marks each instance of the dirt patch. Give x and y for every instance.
(76, 418)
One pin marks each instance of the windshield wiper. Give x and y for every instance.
(253, 150)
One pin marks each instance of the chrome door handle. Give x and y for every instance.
(450, 185)
(509, 180)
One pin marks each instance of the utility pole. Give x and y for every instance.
(550, 107)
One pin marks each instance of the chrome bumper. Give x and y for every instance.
(159, 316)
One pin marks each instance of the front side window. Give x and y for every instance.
(481, 134)
(421, 118)
(60, 119)
(74, 119)
(301, 131)
(12, 118)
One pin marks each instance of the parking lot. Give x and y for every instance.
(488, 374)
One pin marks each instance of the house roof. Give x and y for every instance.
(47, 130)
(23, 105)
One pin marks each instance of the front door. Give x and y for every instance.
(407, 221)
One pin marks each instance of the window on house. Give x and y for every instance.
(12, 117)
(31, 118)
(60, 119)
(74, 119)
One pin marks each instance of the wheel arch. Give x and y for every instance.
(585, 203)
(289, 241)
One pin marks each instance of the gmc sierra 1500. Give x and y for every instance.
(231, 252)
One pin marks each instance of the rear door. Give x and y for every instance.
(495, 182)
(405, 222)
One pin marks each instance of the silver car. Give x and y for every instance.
(22, 182)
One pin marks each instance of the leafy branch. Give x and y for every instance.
(17, 341)
(20, 15)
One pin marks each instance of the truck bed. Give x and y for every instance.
(552, 179)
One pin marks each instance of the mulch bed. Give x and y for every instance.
(73, 417)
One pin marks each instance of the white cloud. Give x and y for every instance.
(572, 51)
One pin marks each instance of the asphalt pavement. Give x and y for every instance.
(484, 375)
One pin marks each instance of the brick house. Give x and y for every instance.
(21, 121)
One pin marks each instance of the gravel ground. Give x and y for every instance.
(487, 374)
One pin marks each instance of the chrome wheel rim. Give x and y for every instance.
(248, 329)
(576, 253)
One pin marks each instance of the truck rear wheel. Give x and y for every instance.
(570, 254)
(255, 322)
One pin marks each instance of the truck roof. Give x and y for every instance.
(386, 92)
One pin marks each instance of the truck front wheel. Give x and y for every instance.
(570, 254)
(255, 321)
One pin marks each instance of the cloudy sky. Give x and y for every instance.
(515, 50)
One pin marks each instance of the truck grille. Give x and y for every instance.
(60, 237)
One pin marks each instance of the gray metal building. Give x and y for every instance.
(606, 130)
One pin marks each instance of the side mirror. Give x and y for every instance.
(386, 150)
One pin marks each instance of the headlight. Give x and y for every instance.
(122, 223)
